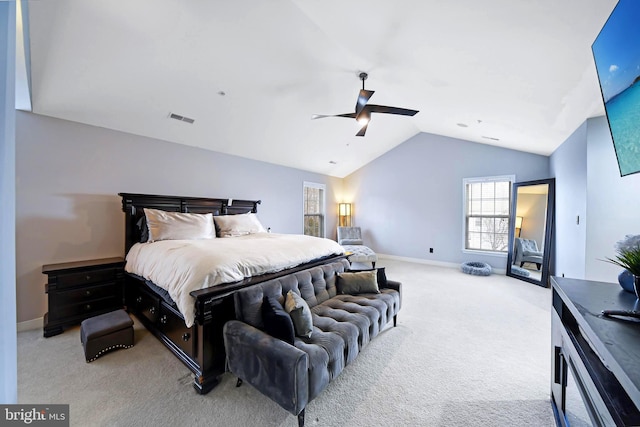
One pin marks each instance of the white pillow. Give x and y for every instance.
(164, 225)
(238, 225)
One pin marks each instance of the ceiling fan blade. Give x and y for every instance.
(391, 110)
(363, 130)
(322, 116)
(363, 98)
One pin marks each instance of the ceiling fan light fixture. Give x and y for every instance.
(363, 109)
(363, 120)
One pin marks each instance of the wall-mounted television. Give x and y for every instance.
(616, 52)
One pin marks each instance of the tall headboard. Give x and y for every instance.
(133, 204)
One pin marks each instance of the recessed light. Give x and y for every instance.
(222, 93)
(333, 162)
(463, 125)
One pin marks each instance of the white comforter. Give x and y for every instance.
(182, 266)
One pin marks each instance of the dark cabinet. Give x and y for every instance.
(595, 377)
(83, 289)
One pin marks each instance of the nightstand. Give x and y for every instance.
(78, 290)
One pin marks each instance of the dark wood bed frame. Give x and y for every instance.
(201, 347)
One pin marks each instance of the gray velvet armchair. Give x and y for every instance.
(526, 250)
(349, 236)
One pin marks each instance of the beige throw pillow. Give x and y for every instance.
(358, 282)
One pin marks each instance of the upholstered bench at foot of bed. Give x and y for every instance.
(106, 332)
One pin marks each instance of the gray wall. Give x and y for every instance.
(411, 198)
(8, 356)
(613, 205)
(69, 175)
(569, 167)
(589, 184)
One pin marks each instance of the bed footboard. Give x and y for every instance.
(200, 347)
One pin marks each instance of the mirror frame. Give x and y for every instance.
(548, 233)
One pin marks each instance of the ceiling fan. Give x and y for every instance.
(364, 110)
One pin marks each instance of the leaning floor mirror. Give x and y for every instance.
(531, 226)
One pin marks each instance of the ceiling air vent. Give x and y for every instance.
(181, 118)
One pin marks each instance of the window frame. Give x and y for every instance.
(323, 206)
(465, 181)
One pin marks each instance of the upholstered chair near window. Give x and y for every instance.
(349, 236)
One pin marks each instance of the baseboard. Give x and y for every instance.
(30, 325)
(500, 271)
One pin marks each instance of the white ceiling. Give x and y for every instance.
(517, 70)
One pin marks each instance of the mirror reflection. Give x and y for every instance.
(529, 237)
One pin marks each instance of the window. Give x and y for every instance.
(486, 220)
(314, 209)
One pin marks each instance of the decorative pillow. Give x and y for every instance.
(164, 225)
(277, 322)
(382, 278)
(358, 282)
(144, 230)
(300, 314)
(238, 225)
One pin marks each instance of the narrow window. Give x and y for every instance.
(314, 204)
(487, 203)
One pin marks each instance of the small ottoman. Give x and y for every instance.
(106, 332)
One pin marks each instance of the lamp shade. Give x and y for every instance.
(344, 214)
(518, 222)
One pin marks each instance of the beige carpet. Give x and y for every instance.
(467, 351)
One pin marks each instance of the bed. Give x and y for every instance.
(197, 341)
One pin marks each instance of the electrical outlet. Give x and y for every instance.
(430, 250)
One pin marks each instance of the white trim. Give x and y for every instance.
(487, 253)
(30, 325)
(500, 271)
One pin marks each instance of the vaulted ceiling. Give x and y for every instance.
(251, 73)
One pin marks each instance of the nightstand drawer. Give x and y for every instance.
(85, 309)
(86, 278)
(86, 293)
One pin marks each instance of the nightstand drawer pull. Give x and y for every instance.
(186, 336)
(139, 300)
(87, 307)
(88, 277)
(88, 293)
(152, 310)
(163, 319)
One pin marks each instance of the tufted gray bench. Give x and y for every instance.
(343, 325)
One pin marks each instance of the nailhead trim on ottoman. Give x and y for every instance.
(106, 332)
